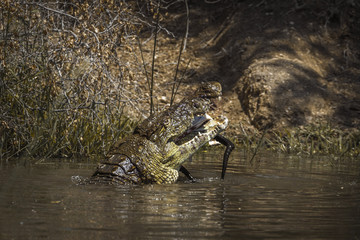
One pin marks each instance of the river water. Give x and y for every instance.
(274, 197)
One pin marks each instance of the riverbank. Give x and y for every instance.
(289, 70)
(72, 84)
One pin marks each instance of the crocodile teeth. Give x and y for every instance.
(208, 117)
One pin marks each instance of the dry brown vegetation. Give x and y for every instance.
(68, 71)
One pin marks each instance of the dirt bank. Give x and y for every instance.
(281, 63)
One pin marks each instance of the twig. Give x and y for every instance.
(56, 11)
(187, 25)
(144, 65)
(225, 26)
(258, 145)
(261, 3)
(97, 39)
(182, 48)
(176, 72)
(153, 60)
(182, 77)
(209, 2)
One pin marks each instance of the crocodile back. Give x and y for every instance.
(117, 169)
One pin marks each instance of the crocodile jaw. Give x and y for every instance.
(184, 151)
(213, 127)
(220, 122)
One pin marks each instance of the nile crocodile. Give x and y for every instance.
(158, 147)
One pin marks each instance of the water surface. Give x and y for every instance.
(275, 197)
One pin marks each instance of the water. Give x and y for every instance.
(276, 197)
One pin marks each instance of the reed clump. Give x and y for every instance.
(317, 139)
(313, 139)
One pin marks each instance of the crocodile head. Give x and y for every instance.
(183, 128)
(188, 143)
(176, 120)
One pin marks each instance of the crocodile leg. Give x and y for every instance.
(229, 147)
(186, 173)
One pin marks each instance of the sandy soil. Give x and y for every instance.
(281, 63)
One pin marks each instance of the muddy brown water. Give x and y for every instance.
(275, 197)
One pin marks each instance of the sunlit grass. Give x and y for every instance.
(313, 139)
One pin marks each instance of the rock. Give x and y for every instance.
(282, 91)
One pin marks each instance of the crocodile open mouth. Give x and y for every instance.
(198, 126)
(199, 121)
(203, 129)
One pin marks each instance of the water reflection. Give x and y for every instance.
(274, 197)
